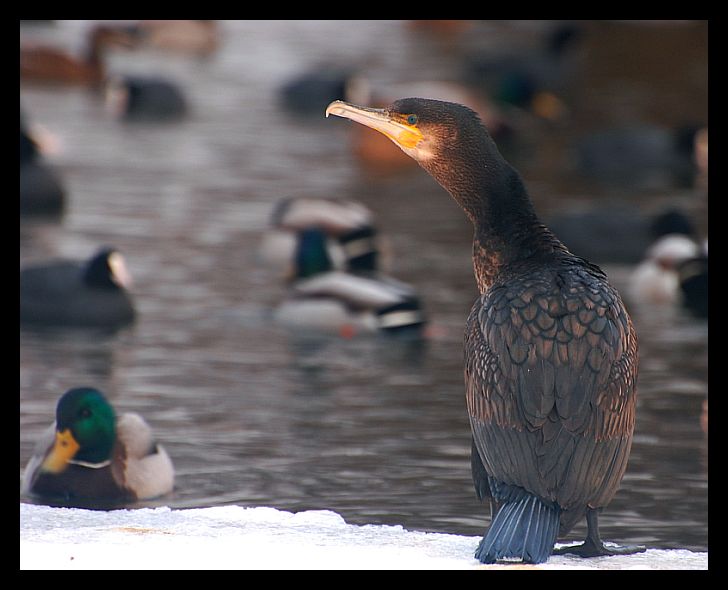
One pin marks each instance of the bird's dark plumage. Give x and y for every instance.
(137, 98)
(41, 189)
(550, 351)
(88, 293)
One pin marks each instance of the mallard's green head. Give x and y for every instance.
(85, 430)
(312, 255)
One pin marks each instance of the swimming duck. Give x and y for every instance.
(41, 189)
(655, 280)
(311, 90)
(90, 456)
(333, 301)
(353, 243)
(642, 155)
(91, 293)
(53, 65)
(692, 276)
(145, 98)
(528, 78)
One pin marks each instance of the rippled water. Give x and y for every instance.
(373, 429)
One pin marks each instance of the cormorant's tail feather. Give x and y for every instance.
(524, 529)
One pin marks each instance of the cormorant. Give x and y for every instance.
(550, 351)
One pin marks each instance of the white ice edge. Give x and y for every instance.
(236, 537)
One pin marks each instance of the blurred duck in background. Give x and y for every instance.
(675, 267)
(88, 293)
(528, 78)
(53, 65)
(443, 28)
(41, 189)
(145, 99)
(352, 243)
(642, 156)
(309, 92)
(693, 278)
(90, 457)
(192, 37)
(322, 299)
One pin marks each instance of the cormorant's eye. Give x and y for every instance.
(412, 119)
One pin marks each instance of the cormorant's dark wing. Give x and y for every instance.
(551, 363)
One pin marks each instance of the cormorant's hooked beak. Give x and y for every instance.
(405, 136)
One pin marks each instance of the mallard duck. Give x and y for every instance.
(334, 301)
(693, 278)
(656, 280)
(53, 65)
(89, 455)
(77, 293)
(353, 243)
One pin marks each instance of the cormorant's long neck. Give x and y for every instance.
(493, 196)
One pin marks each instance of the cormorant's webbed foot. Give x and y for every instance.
(593, 545)
(590, 549)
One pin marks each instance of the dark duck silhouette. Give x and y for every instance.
(146, 98)
(92, 457)
(643, 156)
(693, 280)
(550, 351)
(84, 293)
(42, 191)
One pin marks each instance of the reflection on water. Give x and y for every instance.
(372, 428)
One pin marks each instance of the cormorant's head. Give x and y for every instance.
(447, 139)
(424, 128)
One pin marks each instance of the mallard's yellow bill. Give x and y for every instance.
(64, 449)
